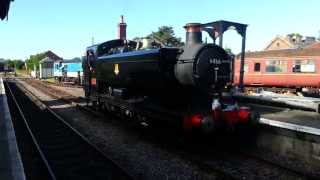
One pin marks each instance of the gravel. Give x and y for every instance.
(126, 146)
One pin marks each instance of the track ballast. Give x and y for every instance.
(65, 152)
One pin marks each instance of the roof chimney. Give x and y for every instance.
(122, 26)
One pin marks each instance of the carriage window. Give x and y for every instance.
(304, 66)
(256, 67)
(276, 66)
(246, 67)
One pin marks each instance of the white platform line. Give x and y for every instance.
(294, 127)
(2, 91)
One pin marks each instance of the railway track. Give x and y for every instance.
(62, 84)
(230, 160)
(65, 153)
(56, 93)
(228, 155)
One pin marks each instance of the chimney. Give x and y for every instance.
(193, 34)
(122, 26)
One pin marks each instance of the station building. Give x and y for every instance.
(290, 41)
(45, 65)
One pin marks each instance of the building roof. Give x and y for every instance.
(284, 53)
(275, 43)
(52, 55)
(310, 50)
(290, 41)
(46, 59)
(315, 45)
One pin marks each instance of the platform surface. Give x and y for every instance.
(304, 121)
(11, 167)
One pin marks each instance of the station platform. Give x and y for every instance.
(11, 167)
(286, 118)
(289, 136)
(295, 113)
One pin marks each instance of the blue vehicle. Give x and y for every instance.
(68, 70)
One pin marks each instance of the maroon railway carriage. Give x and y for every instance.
(293, 68)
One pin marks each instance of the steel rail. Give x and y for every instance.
(206, 163)
(64, 122)
(31, 134)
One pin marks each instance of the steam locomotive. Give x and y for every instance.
(185, 87)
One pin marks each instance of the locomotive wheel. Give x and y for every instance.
(94, 105)
(207, 125)
(254, 119)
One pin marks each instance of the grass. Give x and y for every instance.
(51, 80)
(22, 72)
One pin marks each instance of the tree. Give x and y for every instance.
(16, 64)
(294, 34)
(295, 37)
(228, 50)
(34, 60)
(166, 36)
(9, 63)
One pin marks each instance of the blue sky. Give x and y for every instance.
(67, 26)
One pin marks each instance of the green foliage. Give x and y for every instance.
(17, 63)
(228, 50)
(34, 61)
(294, 35)
(166, 36)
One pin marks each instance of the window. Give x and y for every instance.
(274, 66)
(256, 67)
(304, 66)
(47, 65)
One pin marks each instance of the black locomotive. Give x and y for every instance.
(151, 83)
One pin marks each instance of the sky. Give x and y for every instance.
(67, 26)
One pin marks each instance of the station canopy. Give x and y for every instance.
(4, 8)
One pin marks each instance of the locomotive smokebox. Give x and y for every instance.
(193, 34)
